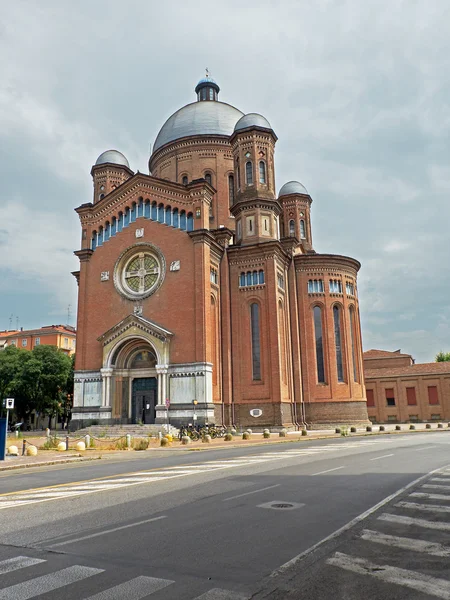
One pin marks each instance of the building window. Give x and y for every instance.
(280, 281)
(238, 230)
(319, 344)
(66, 342)
(390, 397)
(291, 228)
(238, 174)
(315, 286)
(413, 418)
(335, 286)
(231, 189)
(353, 334)
(338, 342)
(249, 172)
(185, 180)
(73, 343)
(213, 276)
(262, 171)
(208, 178)
(370, 398)
(37, 341)
(261, 277)
(411, 396)
(251, 278)
(349, 288)
(256, 344)
(433, 395)
(302, 229)
(190, 222)
(250, 225)
(392, 418)
(24, 343)
(435, 417)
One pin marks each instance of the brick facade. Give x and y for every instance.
(229, 320)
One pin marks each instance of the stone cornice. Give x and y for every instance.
(254, 130)
(193, 142)
(261, 203)
(134, 321)
(326, 262)
(260, 252)
(84, 254)
(111, 167)
(205, 236)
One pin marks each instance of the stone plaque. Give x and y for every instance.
(104, 276)
(175, 265)
(140, 233)
(256, 412)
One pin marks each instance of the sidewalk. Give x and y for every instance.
(53, 457)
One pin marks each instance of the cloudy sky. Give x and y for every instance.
(357, 92)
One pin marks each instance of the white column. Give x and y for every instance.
(106, 386)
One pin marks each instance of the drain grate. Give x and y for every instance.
(280, 505)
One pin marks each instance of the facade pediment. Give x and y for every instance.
(133, 323)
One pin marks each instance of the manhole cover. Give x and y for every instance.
(280, 505)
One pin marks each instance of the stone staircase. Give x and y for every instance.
(115, 431)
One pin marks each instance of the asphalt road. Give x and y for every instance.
(220, 525)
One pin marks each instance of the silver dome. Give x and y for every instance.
(198, 118)
(112, 156)
(252, 119)
(292, 187)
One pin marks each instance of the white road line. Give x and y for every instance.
(350, 524)
(442, 479)
(328, 471)
(252, 492)
(406, 543)
(421, 449)
(432, 586)
(401, 520)
(93, 535)
(430, 496)
(137, 588)
(47, 583)
(384, 456)
(424, 507)
(436, 486)
(218, 594)
(18, 562)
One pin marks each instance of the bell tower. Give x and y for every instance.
(111, 169)
(296, 215)
(254, 207)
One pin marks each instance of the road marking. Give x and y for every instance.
(432, 586)
(219, 594)
(47, 583)
(328, 471)
(137, 588)
(384, 456)
(400, 519)
(406, 543)
(436, 486)
(443, 478)
(290, 563)
(421, 449)
(18, 562)
(252, 492)
(93, 535)
(430, 496)
(425, 507)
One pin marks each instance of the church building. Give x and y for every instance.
(201, 298)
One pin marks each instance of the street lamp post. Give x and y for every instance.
(195, 402)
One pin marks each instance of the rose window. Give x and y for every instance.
(139, 272)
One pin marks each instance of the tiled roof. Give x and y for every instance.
(383, 354)
(436, 368)
(47, 329)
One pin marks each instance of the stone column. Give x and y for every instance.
(106, 387)
(162, 371)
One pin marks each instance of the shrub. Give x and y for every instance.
(344, 431)
(121, 444)
(228, 437)
(304, 432)
(164, 441)
(352, 429)
(51, 443)
(141, 445)
(246, 435)
(266, 434)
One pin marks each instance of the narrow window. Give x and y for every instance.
(261, 277)
(208, 178)
(154, 212)
(255, 277)
(190, 222)
(242, 279)
(238, 174)
(107, 231)
(256, 345)
(411, 396)
(249, 278)
(37, 341)
(262, 171)
(302, 229)
(433, 395)
(353, 336)
(24, 343)
(183, 220)
(238, 230)
(168, 216)
(161, 213)
(113, 226)
(291, 228)
(133, 213)
(126, 217)
(370, 398)
(338, 342)
(319, 344)
(140, 208)
(231, 189)
(390, 396)
(175, 218)
(249, 172)
(184, 181)
(94, 241)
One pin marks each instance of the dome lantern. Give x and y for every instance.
(207, 89)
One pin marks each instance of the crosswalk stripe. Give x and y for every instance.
(442, 478)
(440, 588)
(430, 496)
(136, 588)
(47, 583)
(219, 594)
(400, 519)
(406, 543)
(436, 486)
(424, 507)
(18, 562)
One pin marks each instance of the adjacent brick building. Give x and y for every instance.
(61, 336)
(400, 391)
(200, 291)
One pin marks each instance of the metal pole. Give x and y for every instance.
(6, 430)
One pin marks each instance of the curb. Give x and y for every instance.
(75, 458)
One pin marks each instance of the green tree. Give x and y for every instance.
(443, 356)
(9, 366)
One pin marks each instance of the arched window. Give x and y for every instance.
(249, 278)
(241, 278)
(94, 240)
(238, 174)
(353, 333)
(249, 172)
(190, 222)
(126, 217)
(230, 189)
(185, 180)
(262, 171)
(256, 342)
(133, 213)
(120, 222)
(168, 216)
(147, 209)
(255, 277)
(261, 277)
(291, 228)
(154, 214)
(302, 229)
(140, 208)
(175, 218)
(106, 234)
(183, 220)
(338, 342)
(319, 344)
(208, 178)
(101, 196)
(113, 226)
(100, 236)
(161, 213)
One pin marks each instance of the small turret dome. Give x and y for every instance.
(252, 120)
(112, 156)
(292, 187)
